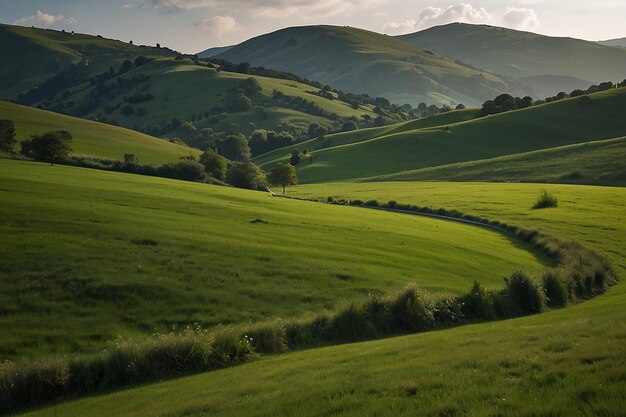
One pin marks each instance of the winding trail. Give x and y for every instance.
(413, 213)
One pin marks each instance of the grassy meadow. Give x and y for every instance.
(92, 255)
(92, 138)
(597, 162)
(565, 122)
(561, 363)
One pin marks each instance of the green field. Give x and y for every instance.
(599, 162)
(89, 255)
(92, 138)
(570, 121)
(561, 363)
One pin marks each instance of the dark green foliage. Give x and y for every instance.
(412, 312)
(294, 159)
(283, 174)
(50, 147)
(556, 293)
(270, 338)
(525, 292)
(546, 200)
(7, 136)
(350, 324)
(161, 356)
(185, 169)
(215, 165)
(245, 175)
(477, 304)
(349, 126)
(235, 148)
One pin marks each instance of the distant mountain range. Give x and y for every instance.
(451, 63)
(358, 60)
(546, 64)
(615, 42)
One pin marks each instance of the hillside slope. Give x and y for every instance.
(357, 60)
(92, 138)
(525, 55)
(600, 163)
(103, 254)
(581, 119)
(145, 88)
(569, 362)
(33, 55)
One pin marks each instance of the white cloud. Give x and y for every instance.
(45, 19)
(393, 28)
(267, 8)
(520, 18)
(515, 18)
(219, 26)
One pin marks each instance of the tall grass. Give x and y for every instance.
(546, 200)
(580, 274)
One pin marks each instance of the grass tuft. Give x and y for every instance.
(546, 200)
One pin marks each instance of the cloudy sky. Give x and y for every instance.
(194, 25)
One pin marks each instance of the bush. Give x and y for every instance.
(214, 164)
(350, 324)
(546, 200)
(245, 175)
(477, 304)
(525, 292)
(186, 170)
(411, 311)
(349, 126)
(556, 292)
(269, 338)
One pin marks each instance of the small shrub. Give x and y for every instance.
(269, 338)
(556, 292)
(477, 304)
(411, 311)
(525, 292)
(351, 324)
(546, 200)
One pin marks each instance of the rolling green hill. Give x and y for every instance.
(600, 162)
(371, 63)
(570, 121)
(191, 93)
(101, 254)
(93, 138)
(98, 78)
(566, 362)
(32, 55)
(571, 63)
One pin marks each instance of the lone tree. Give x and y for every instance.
(49, 147)
(7, 135)
(283, 174)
